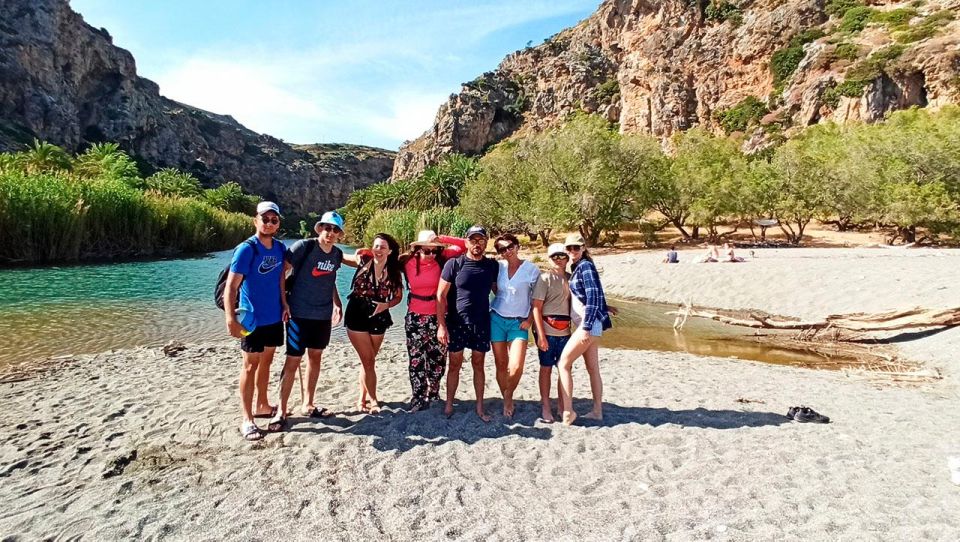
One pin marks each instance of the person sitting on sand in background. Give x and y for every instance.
(728, 253)
(463, 313)
(315, 307)
(510, 317)
(256, 281)
(590, 316)
(671, 256)
(551, 320)
(377, 287)
(712, 255)
(421, 267)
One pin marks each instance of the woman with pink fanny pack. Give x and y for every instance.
(422, 267)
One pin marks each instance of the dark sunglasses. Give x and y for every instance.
(330, 227)
(272, 220)
(559, 257)
(429, 251)
(574, 248)
(501, 249)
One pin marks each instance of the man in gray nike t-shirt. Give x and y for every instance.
(314, 308)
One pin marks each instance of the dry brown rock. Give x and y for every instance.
(64, 81)
(675, 68)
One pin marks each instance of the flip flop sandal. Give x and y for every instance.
(273, 414)
(320, 413)
(250, 432)
(278, 425)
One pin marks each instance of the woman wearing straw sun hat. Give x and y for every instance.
(421, 267)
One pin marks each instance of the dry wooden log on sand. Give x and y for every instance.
(883, 321)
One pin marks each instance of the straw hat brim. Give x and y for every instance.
(427, 244)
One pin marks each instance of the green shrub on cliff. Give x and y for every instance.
(739, 117)
(785, 61)
(856, 19)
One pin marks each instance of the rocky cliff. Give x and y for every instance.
(763, 67)
(65, 82)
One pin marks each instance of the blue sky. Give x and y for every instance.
(360, 71)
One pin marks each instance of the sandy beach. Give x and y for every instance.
(138, 444)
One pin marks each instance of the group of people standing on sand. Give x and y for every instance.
(294, 299)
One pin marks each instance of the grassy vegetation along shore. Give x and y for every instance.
(58, 208)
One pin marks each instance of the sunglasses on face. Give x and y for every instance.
(559, 257)
(429, 251)
(503, 248)
(270, 220)
(574, 248)
(330, 227)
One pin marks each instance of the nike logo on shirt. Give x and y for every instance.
(268, 264)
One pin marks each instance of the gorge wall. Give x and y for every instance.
(763, 67)
(64, 81)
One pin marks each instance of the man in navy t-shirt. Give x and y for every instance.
(463, 313)
(255, 285)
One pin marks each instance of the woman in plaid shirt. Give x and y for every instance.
(590, 315)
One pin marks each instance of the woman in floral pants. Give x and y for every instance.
(422, 266)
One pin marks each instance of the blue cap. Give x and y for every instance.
(476, 230)
(330, 217)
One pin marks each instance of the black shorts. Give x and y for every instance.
(357, 317)
(303, 333)
(262, 337)
(461, 335)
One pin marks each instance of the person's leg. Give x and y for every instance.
(453, 381)
(592, 358)
(247, 377)
(436, 360)
(546, 412)
(574, 348)
(416, 351)
(314, 357)
(364, 346)
(479, 381)
(370, 374)
(287, 376)
(517, 355)
(263, 407)
(501, 360)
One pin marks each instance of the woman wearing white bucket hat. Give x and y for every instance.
(422, 266)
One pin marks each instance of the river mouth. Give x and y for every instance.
(86, 309)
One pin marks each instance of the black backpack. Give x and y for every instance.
(222, 278)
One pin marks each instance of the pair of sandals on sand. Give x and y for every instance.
(278, 423)
(805, 414)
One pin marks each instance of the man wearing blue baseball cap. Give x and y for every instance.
(255, 284)
(315, 308)
(463, 313)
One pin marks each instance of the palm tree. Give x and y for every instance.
(43, 157)
(107, 160)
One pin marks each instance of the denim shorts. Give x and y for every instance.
(506, 329)
(555, 345)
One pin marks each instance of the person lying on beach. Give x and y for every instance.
(255, 281)
(728, 251)
(671, 256)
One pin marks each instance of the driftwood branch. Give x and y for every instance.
(883, 321)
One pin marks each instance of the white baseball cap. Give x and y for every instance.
(556, 248)
(266, 207)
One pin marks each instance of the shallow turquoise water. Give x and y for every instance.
(81, 309)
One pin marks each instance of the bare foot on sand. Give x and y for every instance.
(483, 415)
(546, 416)
(508, 409)
(569, 417)
(374, 408)
(593, 415)
(448, 410)
(362, 405)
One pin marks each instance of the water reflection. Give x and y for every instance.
(92, 308)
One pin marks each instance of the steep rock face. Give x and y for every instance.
(65, 82)
(663, 66)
